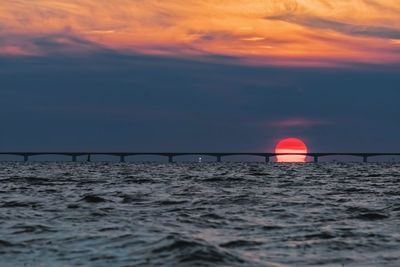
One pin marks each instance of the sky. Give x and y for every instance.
(199, 75)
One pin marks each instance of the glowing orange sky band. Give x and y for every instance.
(278, 32)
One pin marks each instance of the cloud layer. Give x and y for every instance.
(106, 101)
(302, 32)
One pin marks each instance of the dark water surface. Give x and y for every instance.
(190, 214)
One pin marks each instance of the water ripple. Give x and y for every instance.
(189, 214)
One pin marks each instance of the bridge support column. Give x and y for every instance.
(170, 159)
(316, 159)
(267, 160)
(365, 159)
(89, 158)
(26, 158)
(219, 158)
(73, 158)
(121, 158)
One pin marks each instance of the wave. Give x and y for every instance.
(93, 199)
(177, 250)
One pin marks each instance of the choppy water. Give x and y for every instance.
(190, 214)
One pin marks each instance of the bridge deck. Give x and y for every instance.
(218, 155)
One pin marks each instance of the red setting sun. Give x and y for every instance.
(291, 145)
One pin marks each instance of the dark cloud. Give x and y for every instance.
(57, 43)
(347, 28)
(215, 35)
(60, 43)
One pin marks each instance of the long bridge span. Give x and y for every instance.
(171, 155)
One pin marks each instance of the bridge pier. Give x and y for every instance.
(316, 159)
(170, 159)
(26, 158)
(219, 158)
(73, 158)
(121, 158)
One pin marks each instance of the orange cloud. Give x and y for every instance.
(284, 32)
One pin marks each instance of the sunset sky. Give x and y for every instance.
(302, 32)
(199, 74)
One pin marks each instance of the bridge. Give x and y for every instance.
(171, 155)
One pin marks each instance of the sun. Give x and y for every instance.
(291, 145)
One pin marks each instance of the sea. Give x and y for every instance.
(199, 214)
